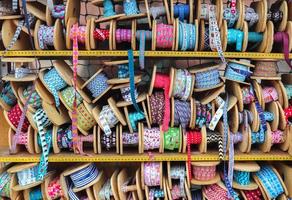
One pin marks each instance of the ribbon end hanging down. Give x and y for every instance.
(132, 80)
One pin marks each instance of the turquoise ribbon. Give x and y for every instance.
(235, 36)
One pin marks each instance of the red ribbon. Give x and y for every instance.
(284, 38)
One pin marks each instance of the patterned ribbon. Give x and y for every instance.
(270, 181)
(203, 173)
(172, 138)
(152, 173)
(68, 95)
(132, 81)
(106, 191)
(55, 189)
(251, 16)
(230, 17)
(64, 138)
(5, 180)
(27, 176)
(6, 8)
(215, 192)
(270, 94)
(82, 178)
(213, 137)
(54, 83)
(151, 138)
(134, 117)
(7, 94)
(157, 107)
(36, 194)
(164, 36)
(85, 120)
(109, 141)
(237, 72)
(241, 177)
(253, 194)
(107, 119)
(181, 11)
(182, 113)
(35, 99)
(183, 84)
(203, 114)
(108, 8)
(15, 116)
(130, 7)
(187, 36)
(75, 112)
(193, 137)
(207, 79)
(42, 121)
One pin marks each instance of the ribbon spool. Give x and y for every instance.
(156, 107)
(79, 178)
(242, 179)
(178, 172)
(177, 192)
(260, 8)
(134, 117)
(214, 191)
(234, 37)
(283, 38)
(67, 97)
(238, 71)
(204, 173)
(151, 173)
(7, 11)
(234, 19)
(270, 182)
(251, 194)
(278, 14)
(38, 142)
(62, 11)
(12, 31)
(97, 85)
(62, 138)
(183, 11)
(54, 80)
(26, 175)
(106, 188)
(7, 181)
(206, 77)
(186, 35)
(99, 36)
(108, 11)
(87, 139)
(58, 116)
(173, 139)
(276, 137)
(163, 36)
(151, 139)
(49, 36)
(109, 142)
(161, 81)
(13, 118)
(202, 114)
(202, 11)
(126, 186)
(181, 83)
(83, 33)
(127, 139)
(85, 119)
(7, 97)
(16, 142)
(52, 188)
(182, 113)
(109, 116)
(257, 41)
(204, 41)
(35, 100)
(33, 193)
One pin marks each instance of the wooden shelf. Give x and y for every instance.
(177, 54)
(131, 157)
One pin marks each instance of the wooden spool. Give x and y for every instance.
(19, 167)
(213, 180)
(154, 36)
(72, 21)
(261, 8)
(120, 138)
(124, 104)
(99, 145)
(113, 181)
(161, 147)
(94, 44)
(240, 11)
(169, 179)
(160, 175)
(186, 191)
(246, 167)
(30, 141)
(219, 9)
(59, 41)
(82, 89)
(123, 190)
(58, 116)
(203, 68)
(190, 3)
(263, 190)
(112, 103)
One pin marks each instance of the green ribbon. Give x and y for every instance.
(172, 138)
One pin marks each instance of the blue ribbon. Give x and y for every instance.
(132, 80)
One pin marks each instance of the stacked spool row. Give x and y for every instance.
(191, 113)
(172, 181)
(103, 32)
